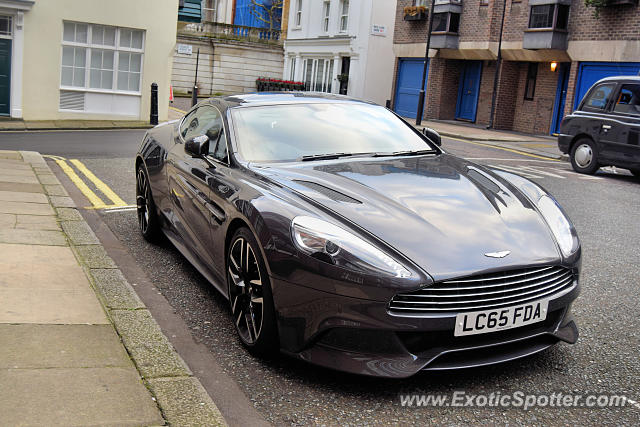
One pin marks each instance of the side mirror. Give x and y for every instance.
(433, 136)
(197, 146)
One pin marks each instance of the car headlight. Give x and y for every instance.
(560, 226)
(328, 242)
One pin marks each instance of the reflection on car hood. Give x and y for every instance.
(442, 212)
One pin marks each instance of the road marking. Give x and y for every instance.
(177, 109)
(78, 182)
(104, 188)
(120, 209)
(516, 170)
(511, 150)
(94, 199)
(539, 170)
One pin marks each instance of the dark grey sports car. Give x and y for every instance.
(344, 237)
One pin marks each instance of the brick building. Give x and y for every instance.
(532, 94)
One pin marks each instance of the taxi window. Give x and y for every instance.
(598, 97)
(628, 101)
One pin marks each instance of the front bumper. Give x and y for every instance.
(361, 336)
(564, 143)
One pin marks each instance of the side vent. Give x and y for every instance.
(71, 100)
(332, 194)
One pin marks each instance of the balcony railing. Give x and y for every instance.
(231, 32)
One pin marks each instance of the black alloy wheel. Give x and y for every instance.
(250, 297)
(147, 218)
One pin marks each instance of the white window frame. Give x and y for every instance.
(88, 46)
(298, 14)
(420, 3)
(326, 11)
(326, 83)
(344, 16)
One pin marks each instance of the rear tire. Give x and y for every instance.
(584, 156)
(250, 297)
(148, 220)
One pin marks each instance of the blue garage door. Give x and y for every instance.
(591, 72)
(408, 86)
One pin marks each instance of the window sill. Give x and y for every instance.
(107, 91)
(539, 30)
(445, 33)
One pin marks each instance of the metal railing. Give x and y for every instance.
(232, 32)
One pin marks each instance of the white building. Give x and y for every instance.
(328, 40)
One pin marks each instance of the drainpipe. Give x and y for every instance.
(213, 63)
(497, 73)
(424, 69)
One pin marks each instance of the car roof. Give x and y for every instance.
(282, 98)
(620, 78)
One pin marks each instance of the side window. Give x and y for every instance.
(599, 97)
(629, 100)
(199, 122)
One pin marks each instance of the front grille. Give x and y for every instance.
(494, 290)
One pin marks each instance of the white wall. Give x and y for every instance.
(371, 68)
(43, 27)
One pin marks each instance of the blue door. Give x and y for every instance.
(561, 96)
(468, 91)
(408, 86)
(591, 72)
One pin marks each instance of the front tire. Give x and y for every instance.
(148, 221)
(584, 156)
(250, 298)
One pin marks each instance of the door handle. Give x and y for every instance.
(606, 127)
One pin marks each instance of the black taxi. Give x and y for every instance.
(605, 129)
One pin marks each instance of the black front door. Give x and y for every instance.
(623, 135)
(5, 77)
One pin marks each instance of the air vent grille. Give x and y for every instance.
(70, 100)
(332, 194)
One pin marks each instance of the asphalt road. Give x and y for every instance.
(605, 211)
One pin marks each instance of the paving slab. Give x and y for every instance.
(76, 397)
(16, 171)
(26, 208)
(69, 214)
(55, 190)
(115, 290)
(47, 306)
(152, 352)
(36, 256)
(37, 222)
(79, 233)
(61, 346)
(7, 154)
(185, 402)
(31, 188)
(32, 237)
(31, 179)
(47, 178)
(33, 157)
(6, 164)
(18, 196)
(62, 202)
(37, 276)
(94, 256)
(8, 220)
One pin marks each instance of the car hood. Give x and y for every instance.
(441, 212)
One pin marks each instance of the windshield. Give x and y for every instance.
(291, 132)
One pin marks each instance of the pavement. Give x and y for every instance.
(537, 145)
(78, 345)
(39, 125)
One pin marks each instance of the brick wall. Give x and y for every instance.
(409, 31)
(475, 22)
(442, 88)
(486, 90)
(505, 100)
(535, 116)
(615, 23)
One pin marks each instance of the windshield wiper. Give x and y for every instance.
(324, 156)
(405, 153)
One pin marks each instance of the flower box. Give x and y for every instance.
(415, 13)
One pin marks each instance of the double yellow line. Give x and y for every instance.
(96, 202)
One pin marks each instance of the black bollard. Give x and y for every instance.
(153, 118)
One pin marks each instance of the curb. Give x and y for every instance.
(180, 397)
(505, 144)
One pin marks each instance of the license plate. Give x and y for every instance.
(481, 322)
